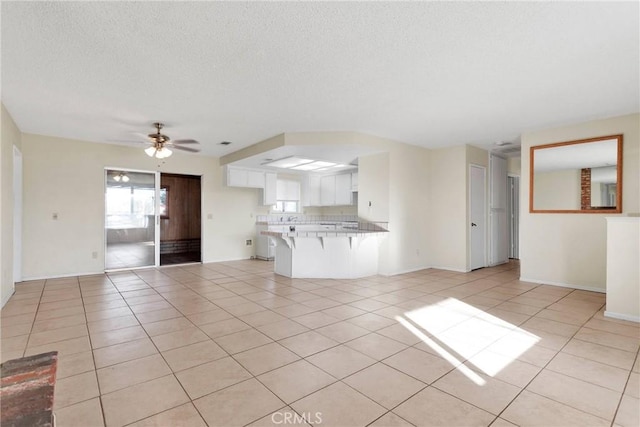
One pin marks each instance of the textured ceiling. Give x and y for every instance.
(426, 73)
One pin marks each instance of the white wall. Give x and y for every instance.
(623, 274)
(10, 136)
(67, 177)
(408, 245)
(513, 165)
(373, 187)
(570, 249)
(448, 208)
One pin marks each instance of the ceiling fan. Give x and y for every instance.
(160, 144)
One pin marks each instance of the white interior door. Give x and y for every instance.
(477, 217)
(499, 230)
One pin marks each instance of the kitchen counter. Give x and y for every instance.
(325, 249)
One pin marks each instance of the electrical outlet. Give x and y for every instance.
(249, 242)
(209, 216)
(94, 255)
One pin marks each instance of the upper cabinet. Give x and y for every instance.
(317, 190)
(311, 192)
(270, 193)
(328, 190)
(343, 190)
(250, 178)
(238, 177)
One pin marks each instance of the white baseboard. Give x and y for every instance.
(60, 276)
(622, 316)
(6, 299)
(413, 270)
(563, 285)
(93, 273)
(209, 261)
(410, 270)
(457, 270)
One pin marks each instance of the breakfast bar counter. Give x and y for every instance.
(337, 250)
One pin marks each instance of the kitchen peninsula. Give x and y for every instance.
(336, 247)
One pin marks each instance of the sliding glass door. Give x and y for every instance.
(130, 219)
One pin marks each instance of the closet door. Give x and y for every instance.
(478, 217)
(499, 232)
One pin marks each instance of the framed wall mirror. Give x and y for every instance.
(583, 176)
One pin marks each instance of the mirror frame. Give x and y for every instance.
(617, 209)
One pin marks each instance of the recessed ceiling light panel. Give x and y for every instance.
(313, 166)
(288, 162)
(304, 164)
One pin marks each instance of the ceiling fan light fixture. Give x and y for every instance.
(159, 144)
(163, 153)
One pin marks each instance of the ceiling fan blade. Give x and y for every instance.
(142, 136)
(189, 149)
(185, 141)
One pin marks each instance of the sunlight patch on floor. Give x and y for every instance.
(458, 331)
(442, 352)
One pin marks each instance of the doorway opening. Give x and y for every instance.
(180, 219)
(513, 205)
(130, 225)
(151, 219)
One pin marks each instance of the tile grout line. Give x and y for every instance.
(93, 357)
(334, 286)
(33, 321)
(624, 389)
(541, 370)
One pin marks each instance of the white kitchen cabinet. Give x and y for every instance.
(236, 177)
(255, 179)
(239, 177)
(270, 188)
(311, 191)
(343, 189)
(248, 178)
(328, 190)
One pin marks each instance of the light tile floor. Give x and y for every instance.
(232, 344)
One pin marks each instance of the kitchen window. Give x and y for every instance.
(287, 196)
(290, 206)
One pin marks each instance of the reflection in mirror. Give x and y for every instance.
(577, 176)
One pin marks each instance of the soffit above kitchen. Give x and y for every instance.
(304, 159)
(432, 74)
